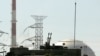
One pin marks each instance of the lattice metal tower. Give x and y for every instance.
(38, 30)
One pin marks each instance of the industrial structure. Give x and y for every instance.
(38, 31)
(85, 49)
(13, 30)
(61, 49)
(45, 50)
(38, 26)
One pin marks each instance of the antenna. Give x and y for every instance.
(75, 25)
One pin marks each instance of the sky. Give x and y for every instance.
(59, 21)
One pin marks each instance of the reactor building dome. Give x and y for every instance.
(71, 44)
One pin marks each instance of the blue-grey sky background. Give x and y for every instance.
(59, 21)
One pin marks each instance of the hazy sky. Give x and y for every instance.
(59, 21)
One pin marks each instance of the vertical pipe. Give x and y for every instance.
(75, 26)
(13, 30)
